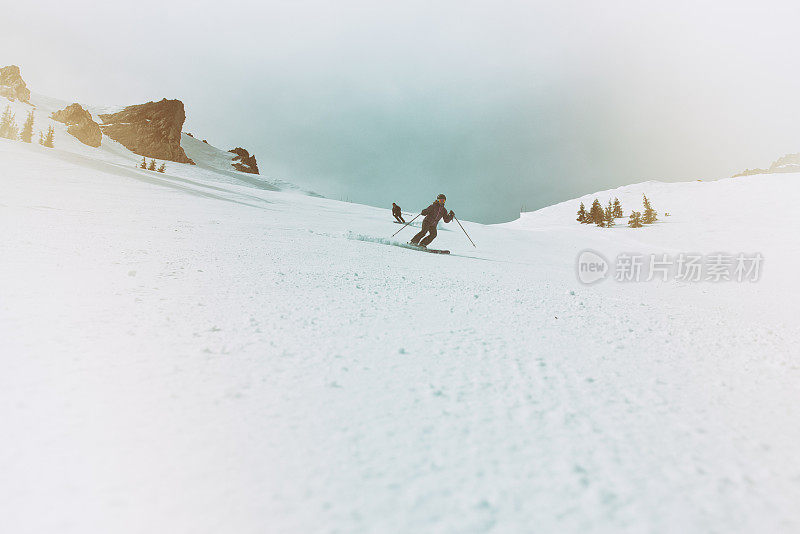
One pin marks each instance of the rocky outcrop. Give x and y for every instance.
(243, 161)
(787, 163)
(750, 172)
(12, 86)
(80, 124)
(152, 129)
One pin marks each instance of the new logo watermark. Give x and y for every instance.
(593, 267)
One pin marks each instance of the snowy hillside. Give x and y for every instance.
(212, 164)
(734, 215)
(188, 353)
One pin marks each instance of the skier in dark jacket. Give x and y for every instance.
(432, 214)
(398, 213)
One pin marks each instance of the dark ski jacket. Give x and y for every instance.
(433, 213)
(396, 209)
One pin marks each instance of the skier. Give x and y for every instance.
(398, 213)
(432, 214)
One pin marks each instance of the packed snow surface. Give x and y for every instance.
(184, 352)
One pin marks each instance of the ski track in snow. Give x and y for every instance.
(216, 358)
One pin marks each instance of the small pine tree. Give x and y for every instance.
(618, 208)
(608, 215)
(143, 164)
(650, 215)
(49, 139)
(152, 165)
(8, 128)
(41, 138)
(582, 214)
(596, 213)
(27, 130)
(636, 220)
(163, 168)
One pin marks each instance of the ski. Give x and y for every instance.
(425, 249)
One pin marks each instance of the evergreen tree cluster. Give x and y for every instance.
(650, 215)
(603, 217)
(47, 140)
(152, 165)
(26, 135)
(639, 219)
(10, 130)
(606, 217)
(618, 208)
(582, 215)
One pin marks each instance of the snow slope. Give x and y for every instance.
(744, 214)
(212, 164)
(182, 353)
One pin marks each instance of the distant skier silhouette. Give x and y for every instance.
(432, 214)
(398, 213)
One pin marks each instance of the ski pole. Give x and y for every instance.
(409, 222)
(465, 232)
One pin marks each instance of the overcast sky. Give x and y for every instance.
(500, 105)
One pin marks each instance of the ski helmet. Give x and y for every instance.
(441, 196)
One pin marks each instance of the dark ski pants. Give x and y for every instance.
(425, 229)
(400, 219)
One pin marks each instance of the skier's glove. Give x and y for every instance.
(452, 213)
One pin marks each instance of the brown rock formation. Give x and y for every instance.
(12, 86)
(152, 129)
(80, 124)
(748, 172)
(787, 163)
(243, 161)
